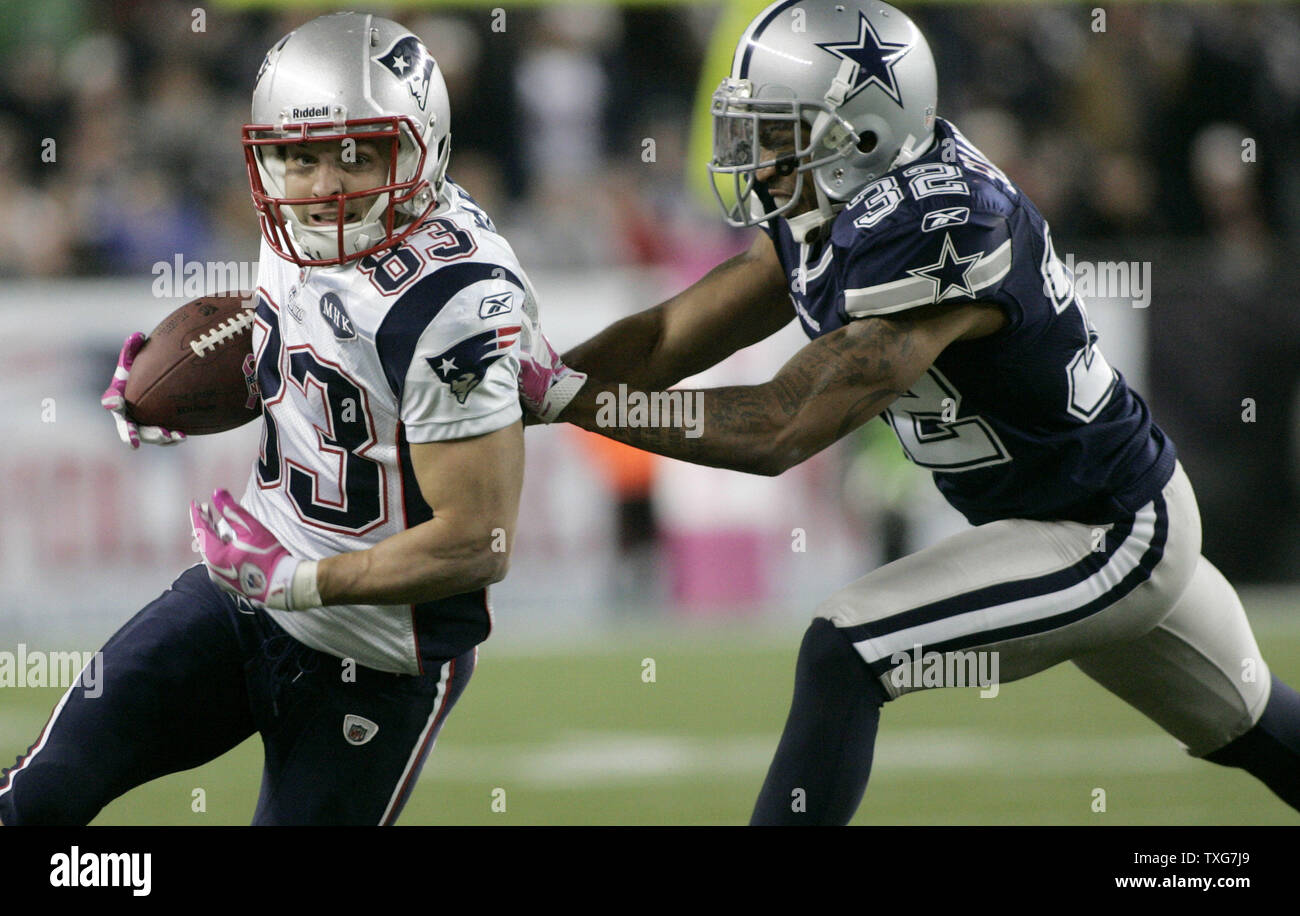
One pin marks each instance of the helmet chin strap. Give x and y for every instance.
(911, 152)
(443, 198)
(806, 226)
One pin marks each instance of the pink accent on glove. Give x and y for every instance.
(539, 371)
(245, 558)
(546, 384)
(114, 399)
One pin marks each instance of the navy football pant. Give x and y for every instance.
(194, 674)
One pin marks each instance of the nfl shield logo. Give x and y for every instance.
(358, 731)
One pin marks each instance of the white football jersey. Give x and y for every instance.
(414, 344)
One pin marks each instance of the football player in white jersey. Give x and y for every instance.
(342, 597)
(933, 296)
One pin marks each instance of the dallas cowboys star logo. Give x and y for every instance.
(951, 274)
(875, 59)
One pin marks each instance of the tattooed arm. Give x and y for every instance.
(738, 303)
(828, 389)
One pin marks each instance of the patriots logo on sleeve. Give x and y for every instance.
(463, 366)
(409, 61)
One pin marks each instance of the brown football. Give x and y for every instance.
(195, 372)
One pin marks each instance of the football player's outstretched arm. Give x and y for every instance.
(829, 388)
(738, 303)
(472, 486)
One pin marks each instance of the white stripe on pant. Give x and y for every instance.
(1177, 646)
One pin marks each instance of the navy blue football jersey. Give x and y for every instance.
(1030, 422)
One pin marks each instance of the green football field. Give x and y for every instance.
(581, 737)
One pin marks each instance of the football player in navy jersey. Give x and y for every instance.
(341, 600)
(933, 296)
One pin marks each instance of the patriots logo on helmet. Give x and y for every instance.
(874, 57)
(266, 61)
(463, 366)
(409, 61)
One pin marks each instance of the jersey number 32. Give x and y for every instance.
(928, 419)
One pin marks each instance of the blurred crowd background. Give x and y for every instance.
(1132, 141)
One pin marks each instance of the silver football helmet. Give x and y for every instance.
(841, 92)
(339, 77)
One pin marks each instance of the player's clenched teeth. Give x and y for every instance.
(324, 219)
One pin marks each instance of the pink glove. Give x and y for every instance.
(114, 399)
(244, 558)
(546, 384)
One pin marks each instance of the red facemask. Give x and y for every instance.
(271, 216)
